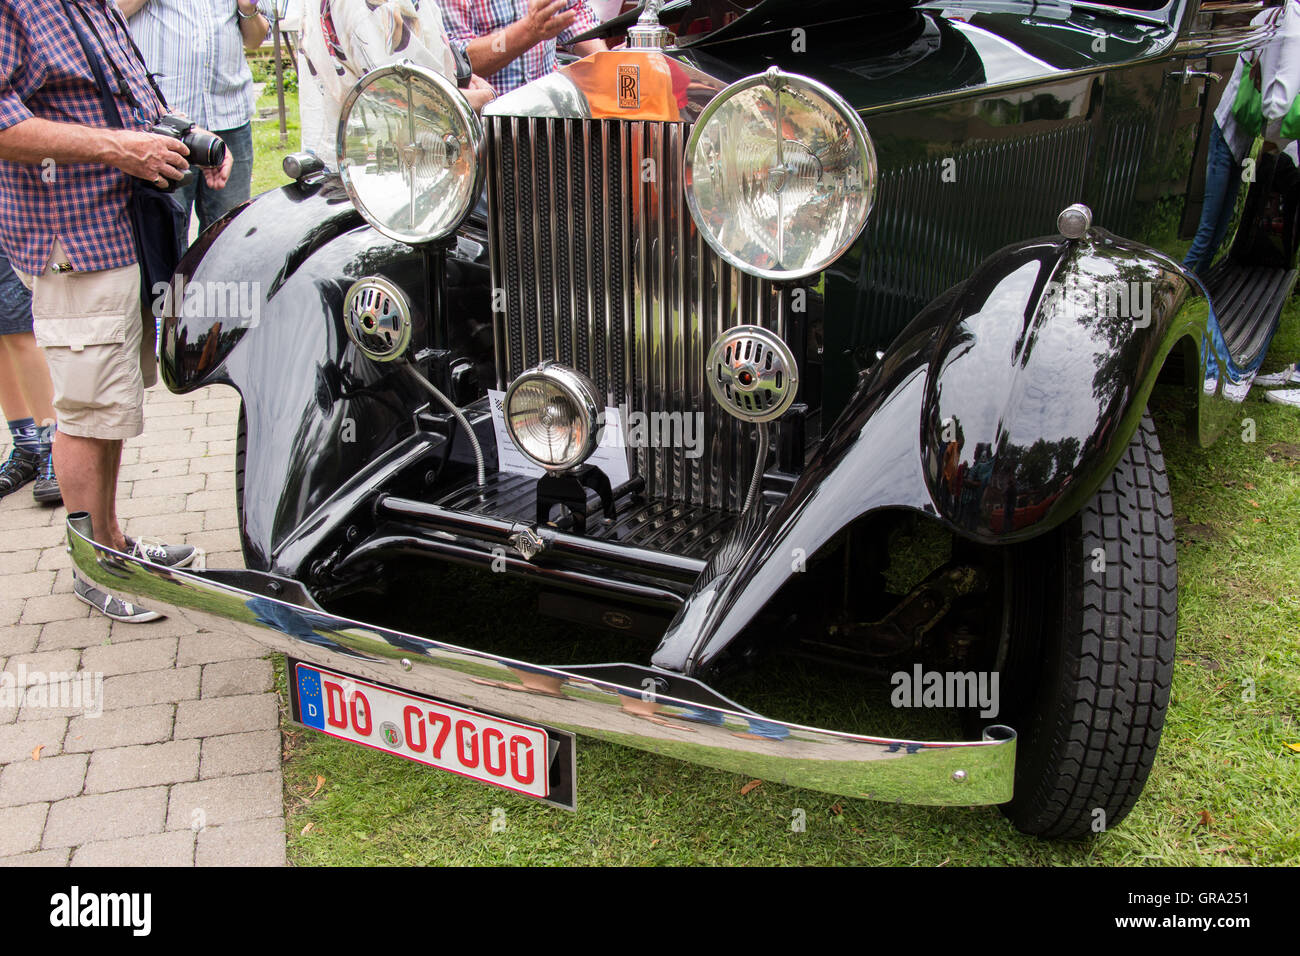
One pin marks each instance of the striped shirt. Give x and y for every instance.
(196, 52)
(469, 19)
(44, 73)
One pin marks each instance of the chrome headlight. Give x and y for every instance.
(552, 415)
(780, 174)
(410, 150)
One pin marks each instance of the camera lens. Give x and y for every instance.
(206, 149)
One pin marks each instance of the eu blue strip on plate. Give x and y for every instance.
(310, 704)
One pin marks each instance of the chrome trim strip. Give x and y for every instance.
(278, 614)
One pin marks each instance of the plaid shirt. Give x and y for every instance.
(44, 73)
(469, 19)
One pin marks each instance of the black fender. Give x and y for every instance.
(999, 410)
(317, 413)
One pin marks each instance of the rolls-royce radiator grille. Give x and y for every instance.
(603, 270)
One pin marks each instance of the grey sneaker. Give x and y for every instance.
(17, 470)
(1288, 376)
(46, 489)
(110, 606)
(1285, 396)
(168, 555)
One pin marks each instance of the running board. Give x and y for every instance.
(1248, 302)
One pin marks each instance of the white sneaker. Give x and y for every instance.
(1285, 396)
(1288, 376)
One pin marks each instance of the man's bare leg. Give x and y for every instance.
(23, 374)
(87, 469)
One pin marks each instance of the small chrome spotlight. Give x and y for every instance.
(752, 373)
(552, 416)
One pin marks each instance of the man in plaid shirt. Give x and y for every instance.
(64, 190)
(512, 42)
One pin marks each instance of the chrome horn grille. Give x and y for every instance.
(753, 373)
(604, 271)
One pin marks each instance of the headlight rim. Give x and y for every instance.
(464, 113)
(861, 136)
(576, 385)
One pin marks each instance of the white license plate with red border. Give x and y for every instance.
(493, 750)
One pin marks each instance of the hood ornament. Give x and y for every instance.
(648, 33)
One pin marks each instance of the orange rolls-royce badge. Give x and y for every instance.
(629, 87)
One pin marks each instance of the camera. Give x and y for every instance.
(206, 149)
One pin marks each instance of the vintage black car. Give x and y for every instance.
(786, 330)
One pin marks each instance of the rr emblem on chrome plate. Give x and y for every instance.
(629, 87)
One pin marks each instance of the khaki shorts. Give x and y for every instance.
(92, 329)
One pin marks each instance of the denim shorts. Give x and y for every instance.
(15, 301)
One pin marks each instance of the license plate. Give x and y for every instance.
(490, 749)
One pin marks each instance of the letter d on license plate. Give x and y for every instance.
(491, 749)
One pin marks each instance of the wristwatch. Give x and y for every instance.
(247, 16)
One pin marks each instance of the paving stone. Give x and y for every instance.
(171, 485)
(231, 754)
(79, 633)
(122, 768)
(222, 447)
(226, 539)
(143, 507)
(220, 431)
(130, 657)
(31, 584)
(44, 780)
(130, 454)
(220, 480)
(11, 609)
(170, 626)
(20, 828)
(17, 740)
(39, 858)
(213, 803)
(153, 849)
(33, 518)
(105, 816)
(120, 728)
(19, 639)
(207, 647)
(55, 607)
(151, 687)
(232, 560)
(205, 500)
(52, 559)
(226, 715)
(19, 562)
(154, 469)
(218, 519)
(213, 463)
(258, 843)
(23, 539)
(167, 528)
(225, 678)
(64, 578)
(166, 436)
(181, 450)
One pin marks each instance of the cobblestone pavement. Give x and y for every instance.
(182, 766)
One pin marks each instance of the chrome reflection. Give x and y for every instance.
(701, 728)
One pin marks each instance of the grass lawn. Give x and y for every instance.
(1225, 788)
(268, 154)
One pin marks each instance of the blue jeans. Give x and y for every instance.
(214, 203)
(15, 301)
(1222, 181)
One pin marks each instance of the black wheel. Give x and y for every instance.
(1092, 611)
(241, 453)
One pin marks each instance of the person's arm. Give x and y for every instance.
(545, 20)
(584, 19)
(253, 26)
(146, 156)
(130, 8)
(588, 47)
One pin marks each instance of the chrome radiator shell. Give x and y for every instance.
(597, 264)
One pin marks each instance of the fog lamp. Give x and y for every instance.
(552, 416)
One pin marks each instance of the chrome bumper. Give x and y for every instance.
(279, 614)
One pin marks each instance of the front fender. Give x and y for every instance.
(1007, 396)
(317, 413)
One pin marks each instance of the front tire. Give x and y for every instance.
(1092, 611)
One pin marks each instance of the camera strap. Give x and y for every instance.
(112, 115)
